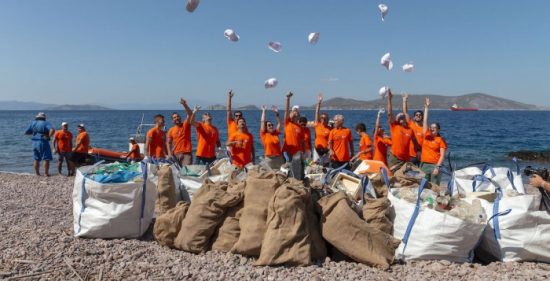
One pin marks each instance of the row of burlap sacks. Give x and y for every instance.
(280, 221)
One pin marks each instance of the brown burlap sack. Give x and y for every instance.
(342, 228)
(409, 176)
(260, 188)
(204, 215)
(166, 190)
(318, 245)
(376, 213)
(168, 225)
(286, 239)
(379, 185)
(229, 231)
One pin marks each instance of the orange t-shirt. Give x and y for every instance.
(418, 134)
(64, 140)
(431, 148)
(134, 152)
(401, 141)
(381, 149)
(242, 152)
(294, 138)
(180, 135)
(307, 138)
(231, 127)
(207, 140)
(271, 142)
(340, 137)
(84, 141)
(157, 143)
(364, 143)
(321, 136)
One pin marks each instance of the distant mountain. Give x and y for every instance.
(23, 105)
(477, 100)
(223, 107)
(78, 107)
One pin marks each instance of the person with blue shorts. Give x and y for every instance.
(41, 132)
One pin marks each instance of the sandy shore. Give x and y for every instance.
(37, 238)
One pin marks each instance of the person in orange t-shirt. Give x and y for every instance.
(433, 149)
(81, 146)
(269, 135)
(307, 137)
(322, 129)
(293, 144)
(416, 126)
(242, 145)
(134, 154)
(365, 143)
(178, 142)
(381, 142)
(155, 143)
(401, 136)
(232, 120)
(340, 143)
(63, 145)
(208, 139)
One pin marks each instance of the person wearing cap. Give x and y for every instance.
(178, 142)
(401, 135)
(293, 144)
(208, 138)
(416, 125)
(242, 145)
(232, 120)
(41, 132)
(340, 143)
(81, 146)
(155, 141)
(433, 148)
(322, 128)
(269, 135)
(63, 146)
(134, 155)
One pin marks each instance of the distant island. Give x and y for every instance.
(78, 107)
(21, 105)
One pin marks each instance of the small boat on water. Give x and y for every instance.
(455, 107)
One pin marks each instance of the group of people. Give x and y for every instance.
(410, 140)
(46, 139)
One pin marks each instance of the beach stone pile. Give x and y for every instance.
(36, 242)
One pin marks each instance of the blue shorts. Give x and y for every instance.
(41, 150)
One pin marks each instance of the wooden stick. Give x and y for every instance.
(23, 261)
(100, 274)
(86, 276)
(28, 275)
(74, 271)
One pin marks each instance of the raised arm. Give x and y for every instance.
(390, 107)
(287, 105)
(192, 120)
(228, 107)
(278, 116)
(426, 110)
(187, 109)
(262, 120)
(377, 124)
(405, 106)
(317, 111)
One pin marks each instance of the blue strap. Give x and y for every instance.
(331, 174)
(450, 185)
(515, 160)
(510, 176)
(82, 201)
(496, 226)
(413, 217)
(143, 194)
(476, 179)
(386, 179)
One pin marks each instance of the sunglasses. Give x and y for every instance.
(418, 114)
(238, 115)
(270, 125)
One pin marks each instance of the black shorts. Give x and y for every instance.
(79, 158)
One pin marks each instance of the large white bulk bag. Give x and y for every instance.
(517, 231)
(111, 210)
(472, 179)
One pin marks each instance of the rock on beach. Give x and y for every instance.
(36, 230)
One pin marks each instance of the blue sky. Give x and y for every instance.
(135, 51)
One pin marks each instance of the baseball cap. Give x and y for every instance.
(64, 124)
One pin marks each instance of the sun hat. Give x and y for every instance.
(275, 46)
(131, 139)
(385, 60)
(408, 67)
(296, 107)
(231, 35)
(271, 83)
(81, 126)
(64, 124)
(192, 5)
(383, 10)
(383, 91)
(313, 38)
(41, 115)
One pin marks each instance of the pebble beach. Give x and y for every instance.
(37, 243)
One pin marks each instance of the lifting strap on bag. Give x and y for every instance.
(143, 193)
(413, 217)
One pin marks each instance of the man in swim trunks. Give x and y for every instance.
(41, 132)
(63, 145)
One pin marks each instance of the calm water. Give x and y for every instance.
(472, 136)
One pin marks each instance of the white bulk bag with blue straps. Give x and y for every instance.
(517, 230)
(111, 210)
(471, 179)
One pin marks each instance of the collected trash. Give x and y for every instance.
(115, 172)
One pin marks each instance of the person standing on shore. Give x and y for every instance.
(81, 146)
(41, 132)
(242, 145)
(365, 143)
(401, 136)
(381, 142)
(322, 129)
(293, 140)
(178, 142)
(63, 145)
(433, 149)
(269, 135)
(208, 138)
(232, 120)
(340, 143)
(307, 137)
(415, 123)
(155, 142)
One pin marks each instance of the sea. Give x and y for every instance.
(472, 136)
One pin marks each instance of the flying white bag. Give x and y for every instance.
(431, 235)
(112, 210)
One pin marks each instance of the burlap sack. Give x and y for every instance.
(166, 190)
(205, 214)
(168, 225)
(286, 239)
(229, 231)
(318, 245)
(379, 185)
(342, 228)
(376, 213)
(409, 176)
(260, 188)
